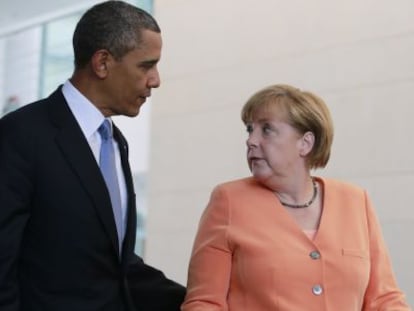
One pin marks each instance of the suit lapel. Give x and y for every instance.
(79, 156)
(130, 234)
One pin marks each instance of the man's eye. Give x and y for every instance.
(147, 65)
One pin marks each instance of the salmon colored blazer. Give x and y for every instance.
(250, 255)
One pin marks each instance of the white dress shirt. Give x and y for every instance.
(90, 119)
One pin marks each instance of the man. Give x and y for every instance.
(67, 204)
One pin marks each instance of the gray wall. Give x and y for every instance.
(356, 54)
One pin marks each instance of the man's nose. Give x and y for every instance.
(154, 80)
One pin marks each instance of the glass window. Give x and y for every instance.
(57, 57)
(57, 53)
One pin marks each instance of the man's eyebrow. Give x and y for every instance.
(149, 62)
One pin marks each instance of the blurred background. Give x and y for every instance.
(356, 55)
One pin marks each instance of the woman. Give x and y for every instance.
(283, 239)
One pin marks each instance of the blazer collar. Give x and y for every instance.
(130, 235)
(79, 156)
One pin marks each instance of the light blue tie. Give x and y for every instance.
(108, 168)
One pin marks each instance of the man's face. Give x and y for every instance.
(130, 79)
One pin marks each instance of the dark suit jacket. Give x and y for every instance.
(58, 242)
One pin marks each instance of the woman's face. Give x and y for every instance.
(274, 147)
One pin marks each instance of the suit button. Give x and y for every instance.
(317, 290)
(315, 255)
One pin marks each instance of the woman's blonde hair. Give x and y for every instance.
(304, 111)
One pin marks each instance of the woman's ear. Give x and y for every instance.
(306, 143)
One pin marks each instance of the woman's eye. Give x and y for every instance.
(266, 129)
(249, 128)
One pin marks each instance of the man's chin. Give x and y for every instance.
(132, 112)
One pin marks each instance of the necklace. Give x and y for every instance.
(307, 204)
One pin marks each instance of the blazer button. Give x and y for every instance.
(317, 290)
(315, 255)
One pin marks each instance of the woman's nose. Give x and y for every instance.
(251, 141)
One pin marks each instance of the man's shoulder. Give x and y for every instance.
(32, 112)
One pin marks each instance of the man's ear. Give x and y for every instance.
(306, 143)
(100, 61)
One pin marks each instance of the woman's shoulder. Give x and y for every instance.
(241, 184)
(242, 190)
(339, 186)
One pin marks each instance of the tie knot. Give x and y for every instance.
(105, 130)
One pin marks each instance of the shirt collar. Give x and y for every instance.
(86, 114)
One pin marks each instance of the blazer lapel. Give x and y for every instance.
(130, 234)
(79, 156)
